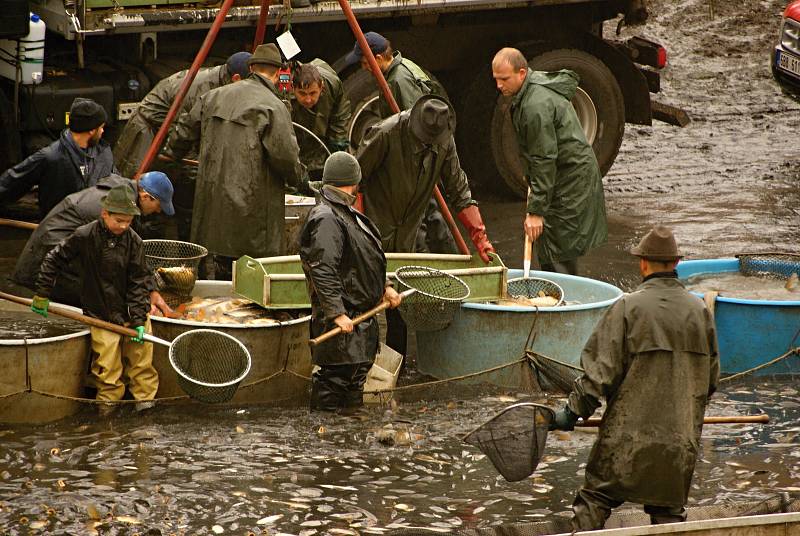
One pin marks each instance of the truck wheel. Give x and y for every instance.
(360, 88)
(598, 103)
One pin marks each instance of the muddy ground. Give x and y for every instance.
(728, 182)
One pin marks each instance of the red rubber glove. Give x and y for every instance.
(470, 218)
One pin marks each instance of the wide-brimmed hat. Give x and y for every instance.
(432, 120)
(120, 200)
(266, 55)
(658, 245)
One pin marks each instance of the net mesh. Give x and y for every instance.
(174, 266)
(551, 374)
(210, 364)
(535, 287)
(776, 265)
(514, 439)
(437, 298)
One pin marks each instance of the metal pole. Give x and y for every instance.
(161, 136)
(387, 93)
(261, 28)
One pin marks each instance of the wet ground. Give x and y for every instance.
(729, 182)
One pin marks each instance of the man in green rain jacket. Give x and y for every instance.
(320, 104)
(653, 358)
(566, 214)
(248, 153)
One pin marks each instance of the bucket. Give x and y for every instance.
(27, 52)
(382, 375)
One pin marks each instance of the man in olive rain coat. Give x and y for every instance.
(653, 358)
(248, 152)
(566, 212)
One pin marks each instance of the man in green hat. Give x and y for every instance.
(653, 358)
(566, 212)
(114, 288)
(248, 154)
(319, 104)
(345, 269)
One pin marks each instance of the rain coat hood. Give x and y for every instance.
(563, 82)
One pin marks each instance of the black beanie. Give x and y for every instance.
(85, 115)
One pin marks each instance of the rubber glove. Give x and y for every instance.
(39, 305)
(470, 217)
(564, 420)
(139, 334)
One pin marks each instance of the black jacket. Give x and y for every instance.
(114, 278)
(345, 271)
(73, 211)
(59, 169)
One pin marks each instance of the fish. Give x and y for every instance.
(538, 301)
(793, 283)
(179, 278)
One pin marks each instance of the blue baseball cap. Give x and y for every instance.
(237, 64)
(158, 185)
(377, 44)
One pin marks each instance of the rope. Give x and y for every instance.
(793, 351)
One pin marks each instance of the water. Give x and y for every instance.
(736, 285)
(17, 325)
(301, 473)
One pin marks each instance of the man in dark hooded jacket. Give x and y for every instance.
(566, 213)
(77, 160)
(653, 358)
(153, 194)
(345, 271)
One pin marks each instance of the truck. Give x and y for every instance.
(114, 51)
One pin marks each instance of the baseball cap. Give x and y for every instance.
(158, 185)
(377, 44)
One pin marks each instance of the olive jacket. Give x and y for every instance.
(560, 166)
(143, 125)
(399, 174)
(248, 152)
(408, 82)
(329, 119)
(115, 283)
(653, 358)
(345, 269)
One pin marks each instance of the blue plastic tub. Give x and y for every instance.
(750, 332)
(483, 336)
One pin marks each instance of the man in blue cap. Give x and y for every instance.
(153, 195)
(141, 128)
(76, 160)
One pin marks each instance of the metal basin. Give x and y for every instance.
(484, 335)
(34, 373)
(281, 358)
(750, 332)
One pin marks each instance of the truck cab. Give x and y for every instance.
(786, 54)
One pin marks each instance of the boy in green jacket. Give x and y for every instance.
(114, 288)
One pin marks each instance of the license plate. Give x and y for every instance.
(789, 63)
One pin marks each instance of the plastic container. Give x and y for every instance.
(27, 51)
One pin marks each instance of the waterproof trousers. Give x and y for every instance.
(562, 267)
(592, 508)
(117, 361)
(335, 387)
(433, 235)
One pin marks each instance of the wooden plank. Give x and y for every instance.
(670, 114)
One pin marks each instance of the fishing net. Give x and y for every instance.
(776, 265)
(210, 364)
(514, 439)
(174, 266)
(535, 287)
(436, 298)
(551, 374)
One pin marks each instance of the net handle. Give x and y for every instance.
(734, 419)
(88, 320)
(384, 304)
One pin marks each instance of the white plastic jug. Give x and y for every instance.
(28, 52)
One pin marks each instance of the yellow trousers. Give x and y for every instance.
(110, 373)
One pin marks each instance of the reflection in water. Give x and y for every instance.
(204, 470)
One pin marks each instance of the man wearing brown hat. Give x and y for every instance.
(248, 153)
(402, 158)
(77, 160)
(653, 358)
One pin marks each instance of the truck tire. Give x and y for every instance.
(598, 103)
(361, 89)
